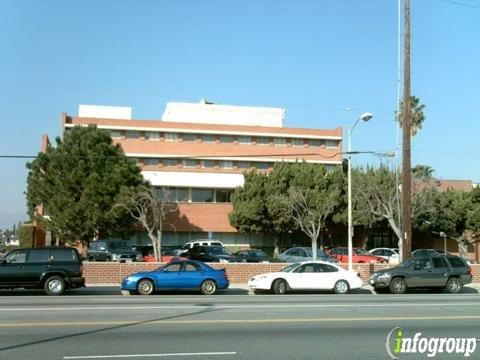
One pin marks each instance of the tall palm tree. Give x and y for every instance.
(418, 115)
(423, 172)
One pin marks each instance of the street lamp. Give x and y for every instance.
(363, 117)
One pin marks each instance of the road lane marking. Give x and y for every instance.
(147, 355)
(214, 306)
(235, 321)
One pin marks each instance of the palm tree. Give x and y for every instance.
(417, 115)
(423, 172)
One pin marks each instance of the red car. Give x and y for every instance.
(358, 255)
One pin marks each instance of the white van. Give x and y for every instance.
(202, 242)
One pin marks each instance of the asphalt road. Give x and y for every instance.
(302, 326)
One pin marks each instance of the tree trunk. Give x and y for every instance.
(276, 244)
(314, 249)
(155, 246)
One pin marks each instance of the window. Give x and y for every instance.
(189, 163)
(456, 262)
(208, 163)
(115, 134)
(202, 195)
(38, 256)
(313, 142)
(226, 164)
(170, 162)
(226, 139)
(223, 195)
(326, 268)
(188, 137)
(171, 136)
(208, 138)
(132, 134)
(244, 139)
(183, 194)
(152, 135)
(439, 263)
(62, 255)
(243, 165)
(331, 143)
(17, 257)
(150, 162)
(191, 267)
(173, 267)
(262, 165)
(298, 142)
(307, 268)
(280, 141)
(262, 140)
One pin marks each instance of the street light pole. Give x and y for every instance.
(364, 117)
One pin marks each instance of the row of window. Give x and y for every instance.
(225, 139)
(184, 194)
(211, 164)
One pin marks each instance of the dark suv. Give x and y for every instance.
(112, 250)
(52, 268)
(210, 254)
(435, 272)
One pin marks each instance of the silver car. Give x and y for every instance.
(300, 254)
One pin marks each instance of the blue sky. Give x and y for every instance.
(325, 61)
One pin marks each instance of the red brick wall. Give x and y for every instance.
(113, 273)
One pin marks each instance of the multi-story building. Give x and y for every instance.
(199, 151)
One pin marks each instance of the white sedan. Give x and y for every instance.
(388, 254)
(310, 275)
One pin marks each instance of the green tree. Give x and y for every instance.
(418, 115)
(78, 182)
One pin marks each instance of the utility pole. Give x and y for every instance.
(406, 151)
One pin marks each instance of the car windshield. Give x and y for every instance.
(319, 252)
(290, 268)
(362, 252)
(259, 253)
(217, 250)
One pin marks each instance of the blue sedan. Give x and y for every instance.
(177, 275)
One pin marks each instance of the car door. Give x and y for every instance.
(303, 277)
(37, 264)
(440, 272)
(12, 270)
(168, 276)
(190, 276)
(418, 273)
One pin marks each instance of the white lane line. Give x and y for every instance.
(148, 355)
(273, 306)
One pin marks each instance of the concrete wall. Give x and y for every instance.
(113, 273)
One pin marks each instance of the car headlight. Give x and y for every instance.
(129, 278)
(223, 260)
(384, 275)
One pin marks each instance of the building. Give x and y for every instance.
(199, 151)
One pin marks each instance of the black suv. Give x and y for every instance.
(435, 272)
(112, 250)
(52, 268)
(210, 254)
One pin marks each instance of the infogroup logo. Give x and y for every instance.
(397, 343)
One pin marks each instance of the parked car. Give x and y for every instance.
(358, 256)
(435, 272)
(299, 254)
(54, 269)
(254, 256)
(112, 250)
(391, 255)
(177, 275)
(430, 252)
(310, 275)
(210, 254)
(202, 242)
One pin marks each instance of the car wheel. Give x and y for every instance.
(208, 287)
(108, 258)
(341, 287)
(454, 285)
(244, 260)
(280, 286)
(145, 287)
(55, 285)
(91, 258)
(398, 286)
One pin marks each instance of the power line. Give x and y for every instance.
(458, 3)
